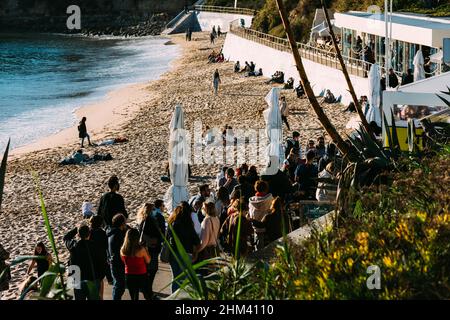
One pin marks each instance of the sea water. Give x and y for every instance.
(45, 77)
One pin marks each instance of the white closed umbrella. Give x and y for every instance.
(272, 117)
(418, 62)
(373, 114)
(178, 161)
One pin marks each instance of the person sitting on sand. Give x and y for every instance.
(237, 67)
(87, 209)
(246, 68)
(329, 97)
(42, 264)
(277, 77)
(289, 85)
(212, 56)
(82, 132)
(111, 203)
(220, 58)
(257, 73)
(299, 90)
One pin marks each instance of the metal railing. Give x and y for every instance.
(244, 11)
(356, 67)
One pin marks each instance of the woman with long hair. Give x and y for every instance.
(152, 228)
(222, 203)
(136, 258)
(181, 224)
(276, 222)
(42, 264)
(210, 232)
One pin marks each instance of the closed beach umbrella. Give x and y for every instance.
(419, 71)
(272, 117)
(373, 114)
(178, 161)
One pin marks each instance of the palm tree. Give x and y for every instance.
(327, 125)
(344, 71)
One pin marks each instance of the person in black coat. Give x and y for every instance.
(279, 184)
(243, 189)
(82, 132)
(116, 236)
(100, 240)
(82, 255)
(408, 78)
(111, 203)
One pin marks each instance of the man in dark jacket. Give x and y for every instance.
(306, 176)
(116, 235)
(100, 241)
(393, 80)
(111, 203)
(82, 255)
(408, 78)
(279, 184)
(154, 227)
(243, 189)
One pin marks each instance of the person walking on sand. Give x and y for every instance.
(212, 37)
(82, 132)
(216, 81)
(284, 111)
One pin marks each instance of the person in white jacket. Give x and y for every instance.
(259, 206)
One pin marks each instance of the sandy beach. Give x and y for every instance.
(142, 114)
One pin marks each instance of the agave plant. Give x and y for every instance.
(436, 127)
(3, 172)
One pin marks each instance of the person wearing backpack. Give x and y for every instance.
(293, 143)
(152, 227)
(83, 256)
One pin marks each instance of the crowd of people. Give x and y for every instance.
(104, 246)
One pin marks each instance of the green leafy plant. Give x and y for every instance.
(3, 172)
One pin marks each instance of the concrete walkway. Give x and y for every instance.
(163, 279)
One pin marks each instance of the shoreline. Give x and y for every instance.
(104, 117)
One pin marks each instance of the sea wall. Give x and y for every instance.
(270, 60)
(199, 21)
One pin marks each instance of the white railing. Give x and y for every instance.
(325, 57)
(243, 11)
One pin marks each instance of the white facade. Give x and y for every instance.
(410, 28)
(209, 19)
(270, 60)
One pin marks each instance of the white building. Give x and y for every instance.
(410, 32)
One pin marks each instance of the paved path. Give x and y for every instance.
(162, 280)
